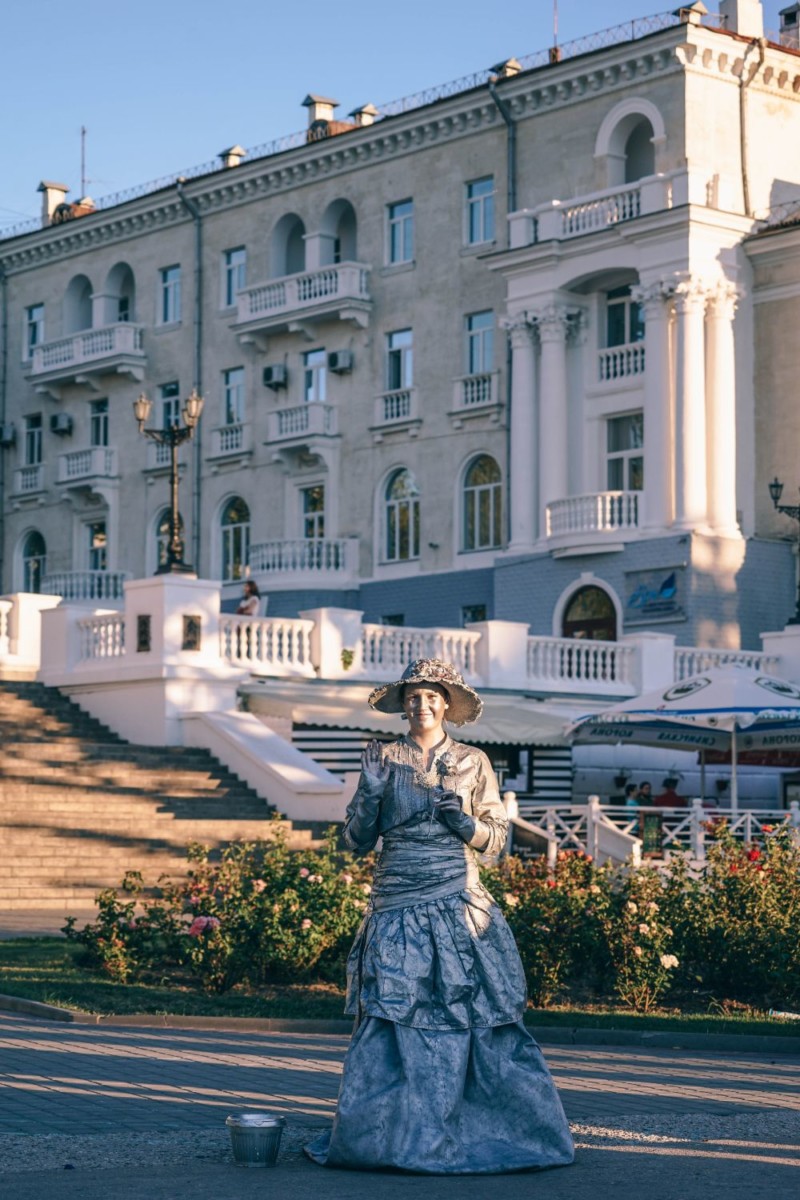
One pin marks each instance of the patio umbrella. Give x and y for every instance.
(731, 707)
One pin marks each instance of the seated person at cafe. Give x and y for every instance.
(669, 798)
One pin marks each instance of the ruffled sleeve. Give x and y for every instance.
(489, 814)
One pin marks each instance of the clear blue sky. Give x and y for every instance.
(163, 85)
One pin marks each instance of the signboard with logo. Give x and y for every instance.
(655, 596)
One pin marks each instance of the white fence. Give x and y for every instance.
(341, 281)
(689, 660)
(572, 663)
(74, 586)
(101, 636)
(598, 512)
(388, 649)
(271, 645)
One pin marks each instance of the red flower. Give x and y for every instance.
(754, 854)
(733, 868)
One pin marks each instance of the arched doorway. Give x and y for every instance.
(590, 614)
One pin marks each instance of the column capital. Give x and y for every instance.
(723, 297)
(555, 322)
(518, 327)
(654, 296)
(691, 292)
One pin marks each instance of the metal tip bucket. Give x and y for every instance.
(255, 1138)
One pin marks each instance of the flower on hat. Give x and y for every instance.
(465, 704)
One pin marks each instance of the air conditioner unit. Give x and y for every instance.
(276, 376)
(61, 423)
(340, 361)
(8, 435)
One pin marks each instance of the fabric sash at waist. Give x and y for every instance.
(420, 865)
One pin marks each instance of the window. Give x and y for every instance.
(314, 376)
(624, 318)
(163, 536)
(33, 440)
(399, 360)
(233, 396)
(34, 328)
(313, 510)
(235, 528)
(401, 232)
(479, 223)
(97, 546)
(170, 307)
(472, 612)
(396, 619)
(479, 334)
(234, 274)
(483, 505)
(590, 614)
(624, 444)
(98, 423)
(169, 396)
(124, 308)
(402, 517)
(34, 561)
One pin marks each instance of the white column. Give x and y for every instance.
(522, 453)
(552, 324)
(659, 448)
(721, 410)
(690, 406)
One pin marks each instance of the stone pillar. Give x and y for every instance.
(690, 406)
(721, 410)
(659, 448)
(553, 325)
(522, 489)
(319, 250)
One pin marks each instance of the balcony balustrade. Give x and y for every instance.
(388, 649)
(600, 512)
(576, 665)
(397, 409)
(296, 562)
(296, 425)
(230, 441)
(113, 349)
(339, 290)
(475, 395)
(689, 660)
(81, 466)
(621, 362)
(29, 480)
(86, 586)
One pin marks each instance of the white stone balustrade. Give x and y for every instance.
(577, 665)
(388, 649)
(101, 636)
(230, 440)
(94, 462)
(267, 645)
(302, 421)
(302, 560)
(86, 586)
(326, 289)
(87, 348)
(580, 215)
(28, 480)
(691, 661)
(600, 512)
(620, 362)
(475, 391)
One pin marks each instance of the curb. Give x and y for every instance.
(546, 1035)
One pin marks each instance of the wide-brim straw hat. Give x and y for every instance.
(465, 704)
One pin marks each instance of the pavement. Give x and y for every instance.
(97, 1112)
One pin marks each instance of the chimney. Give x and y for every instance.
(319, 108)
(364, 115)
(506, 69)
(745, 17)
(52, 195)
(692, 14)
(790, 26)
(232, 156)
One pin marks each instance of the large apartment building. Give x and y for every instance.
(489, 352)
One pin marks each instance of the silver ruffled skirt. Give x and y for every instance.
(441, 1076)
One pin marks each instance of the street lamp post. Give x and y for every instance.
(173, 435)
(789, 510)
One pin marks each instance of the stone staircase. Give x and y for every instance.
(79, 807)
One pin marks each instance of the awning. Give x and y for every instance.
(507, 719)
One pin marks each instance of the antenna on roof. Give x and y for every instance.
(555, 53)
(83, 160)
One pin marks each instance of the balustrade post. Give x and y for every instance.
(512, 812)
(336, 642)
(697, 831)
(593, 814)
(552, 840)
(794, 810)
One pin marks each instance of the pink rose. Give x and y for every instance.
(304, 872)
(259, 885)
(305, 923)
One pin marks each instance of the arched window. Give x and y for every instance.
(402, 517)
(120, 295)
(34, 561)
(163, 534)
(590, 614)
(483, 505)
(78, 305)
(235, 529)
(288, 247)
(640, 157)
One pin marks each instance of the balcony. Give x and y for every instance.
(29, 481)
(294, 426)
(336, 292)
(305, 562)
(476, 396)
(112, 350)
(104, 587)
(621, 362)
(397, 410)
(230, 443)
(81, 467)
(611, 515)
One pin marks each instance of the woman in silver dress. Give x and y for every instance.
(441, 1076)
